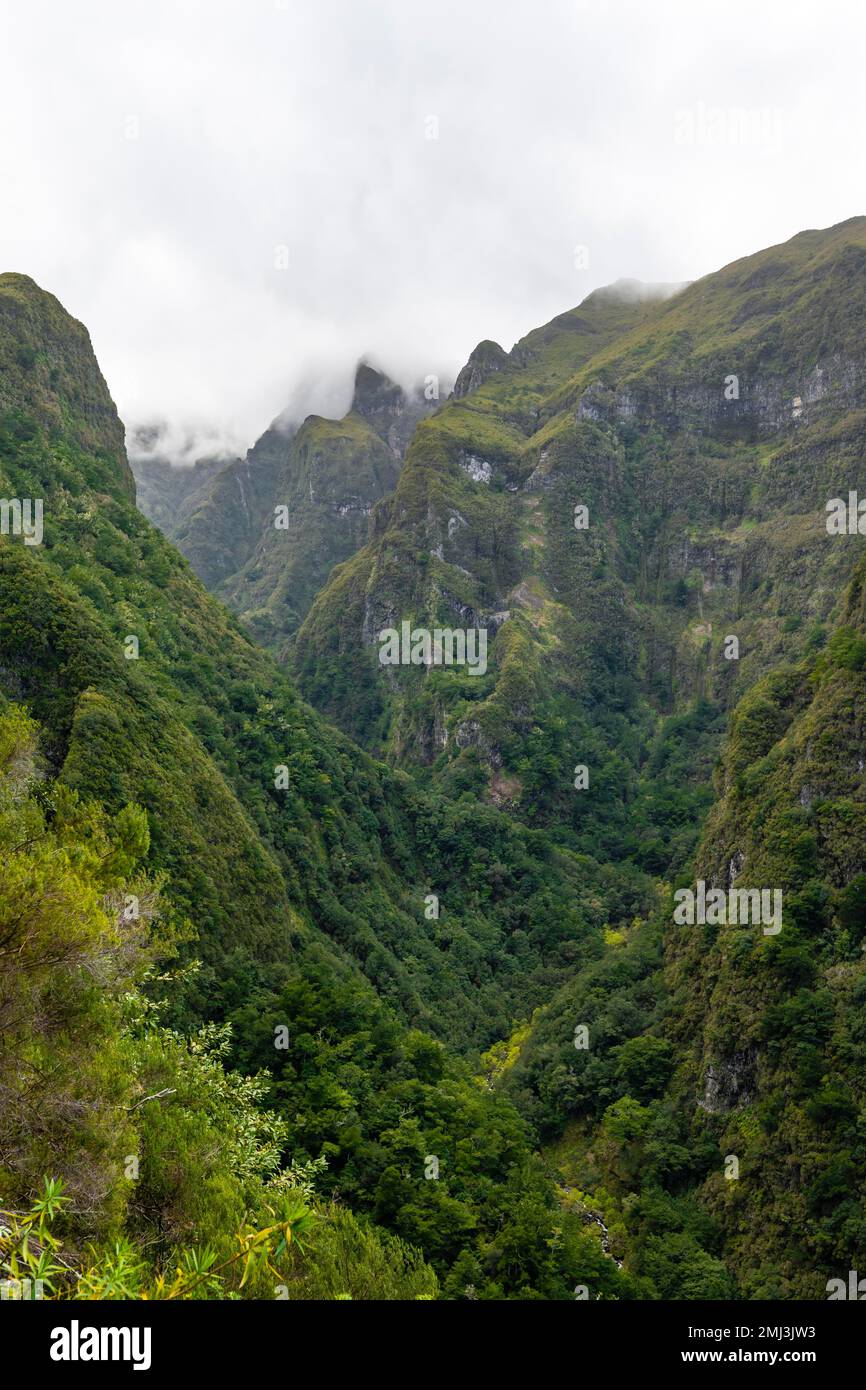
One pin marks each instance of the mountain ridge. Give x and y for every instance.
(460, 905)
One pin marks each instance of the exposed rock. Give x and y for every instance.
(479, 470)
(484, 360)
(762, 405)
(383, 404)
(735, 867)
(729, 1082)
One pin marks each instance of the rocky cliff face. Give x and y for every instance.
(264, 532)
(488, 357)
(702, 432)
(388, 409)
(767, 1024)
(747, 408)
(219, 528)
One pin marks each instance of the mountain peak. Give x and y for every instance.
(488, 357)
(387, 408)
(375, 392)
(629, 291)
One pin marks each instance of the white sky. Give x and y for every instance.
(303, 124)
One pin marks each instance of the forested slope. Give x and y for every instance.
(298, 866)
(705, 442)
(443, 936)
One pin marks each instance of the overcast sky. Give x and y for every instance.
(241, 197)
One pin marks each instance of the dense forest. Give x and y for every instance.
(323, 979)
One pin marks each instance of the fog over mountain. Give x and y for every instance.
(432, 672)
(243, 199)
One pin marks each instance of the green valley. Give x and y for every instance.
(327, 976)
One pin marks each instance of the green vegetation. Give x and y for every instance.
(398, 1009)
(265, 532)
(304, 907)
(706, 519)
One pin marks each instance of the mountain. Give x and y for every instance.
(697, 615)
(166, 795)
(48, 371)
(265, 532)
(704, 517)
(481, 1040)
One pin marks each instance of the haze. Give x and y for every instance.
(241, 199)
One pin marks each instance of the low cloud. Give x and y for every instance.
(241, 198)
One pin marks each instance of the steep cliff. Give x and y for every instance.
(264, 532)
(640, 482)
